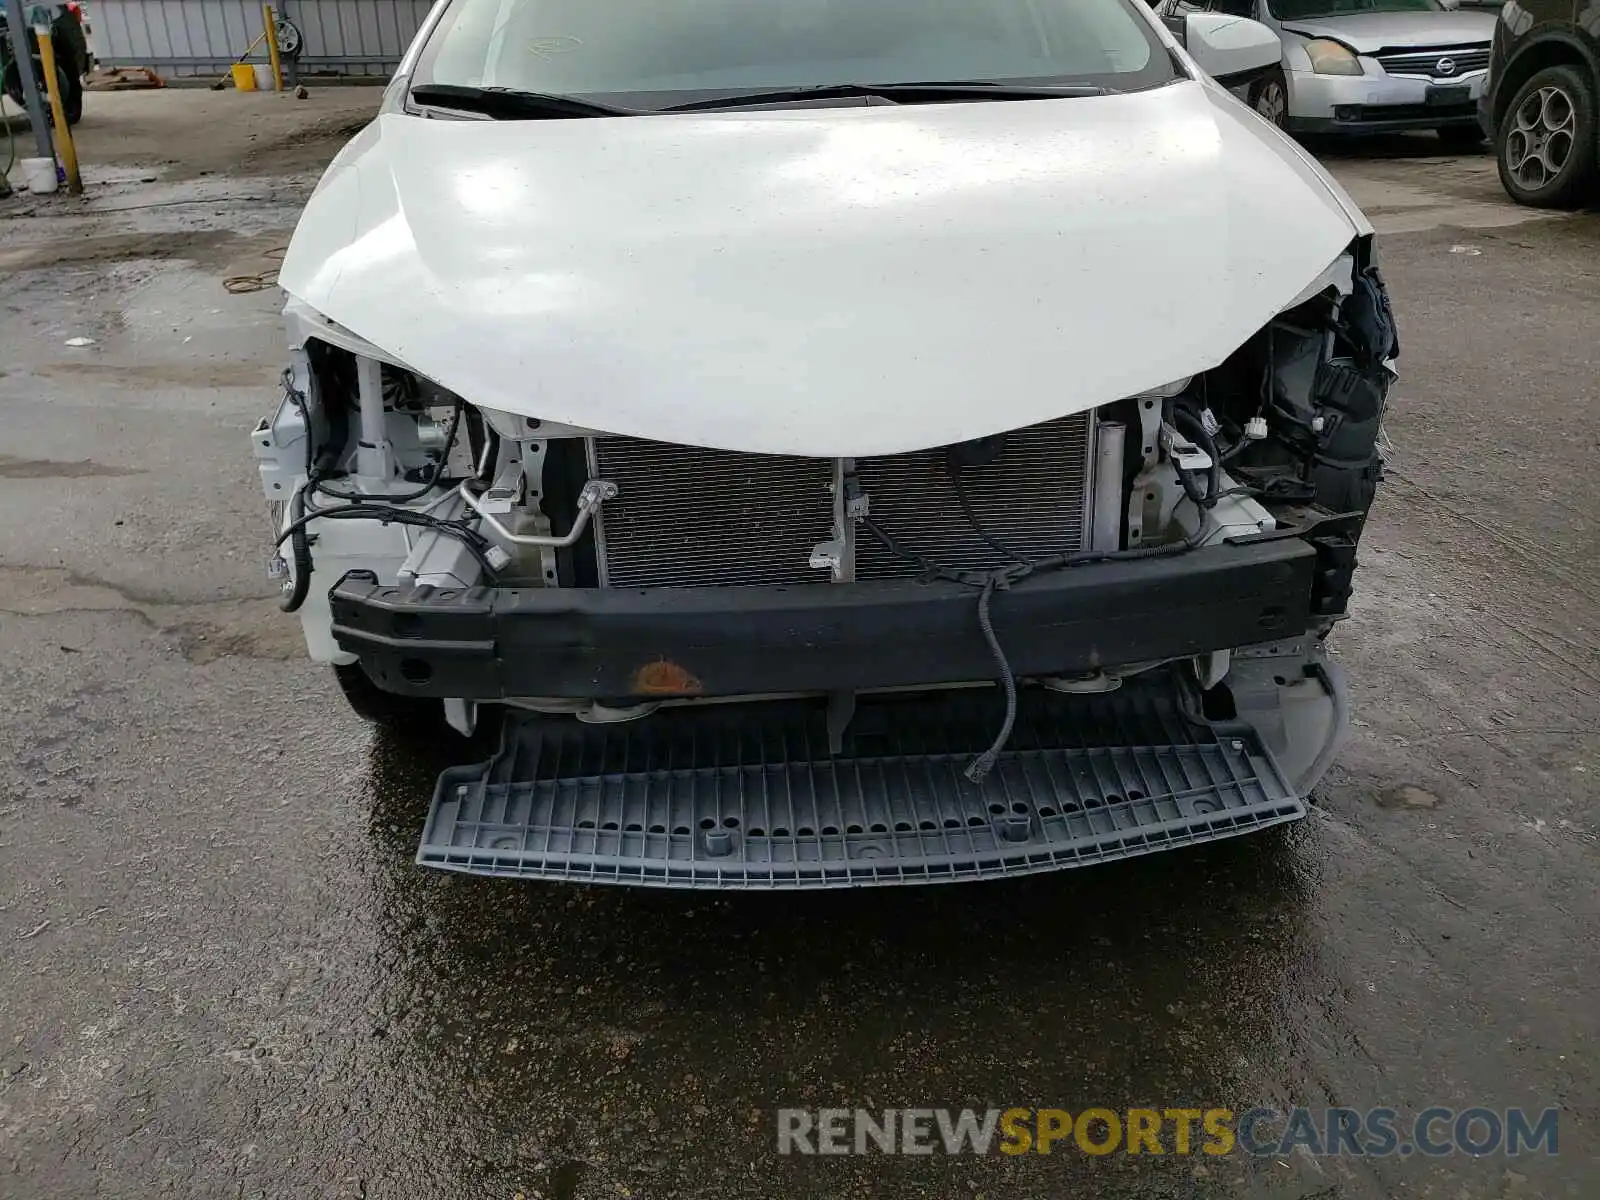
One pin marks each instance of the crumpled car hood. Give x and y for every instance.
(1367, 33)
(833, 282)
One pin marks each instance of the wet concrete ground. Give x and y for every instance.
(222, 975)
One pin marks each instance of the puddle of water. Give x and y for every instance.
(564, 1180)
(42, 468)
(186, 310)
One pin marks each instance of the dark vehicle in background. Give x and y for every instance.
(69, 39)
(1540, 105)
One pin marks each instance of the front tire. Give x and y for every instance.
(71, 92)
(371, 703)
(1270, 98)
(1545, 143)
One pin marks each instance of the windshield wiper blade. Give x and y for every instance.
(511, 104)
(989, 87)
(901, 93)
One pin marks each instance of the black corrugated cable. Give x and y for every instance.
(300, 549)
(474, 542)
(965, 501)
(358, 506)
(989, 582)
(418, 493)
(1188, 423)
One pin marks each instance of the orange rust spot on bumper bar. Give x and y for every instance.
(663, 678)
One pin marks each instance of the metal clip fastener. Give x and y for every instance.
(1185, 455)
(826, 556)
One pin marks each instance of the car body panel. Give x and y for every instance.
(1367, 33)
(1316, 101)
(843, 279)
(829, 282)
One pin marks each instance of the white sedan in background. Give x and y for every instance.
(1366, 66)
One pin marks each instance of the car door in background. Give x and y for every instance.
(1174, 13)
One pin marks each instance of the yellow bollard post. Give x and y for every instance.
(270, 29)
(69, 152)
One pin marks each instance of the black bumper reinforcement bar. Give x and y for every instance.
(616, 643)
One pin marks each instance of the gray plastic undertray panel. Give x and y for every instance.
(747, 795)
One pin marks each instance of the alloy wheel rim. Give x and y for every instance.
(1544, 130)
(1271, 103)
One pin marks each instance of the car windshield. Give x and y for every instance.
(654, 53)
(1303, 10)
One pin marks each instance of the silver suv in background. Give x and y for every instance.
(1366, 66)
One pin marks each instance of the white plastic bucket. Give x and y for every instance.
(39, 174)
(263, 77)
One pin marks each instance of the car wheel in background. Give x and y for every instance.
(1545, 142)
(71, 92)
(1461, 138)
(11, 83)
(1270, 98)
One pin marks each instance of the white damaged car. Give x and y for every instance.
(835, 442)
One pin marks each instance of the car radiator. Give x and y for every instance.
(690, 517)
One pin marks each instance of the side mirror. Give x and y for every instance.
(1232, 50)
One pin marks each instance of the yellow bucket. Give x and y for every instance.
(244, 77)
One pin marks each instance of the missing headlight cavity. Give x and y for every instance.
(1296, 413)
(416, 415)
